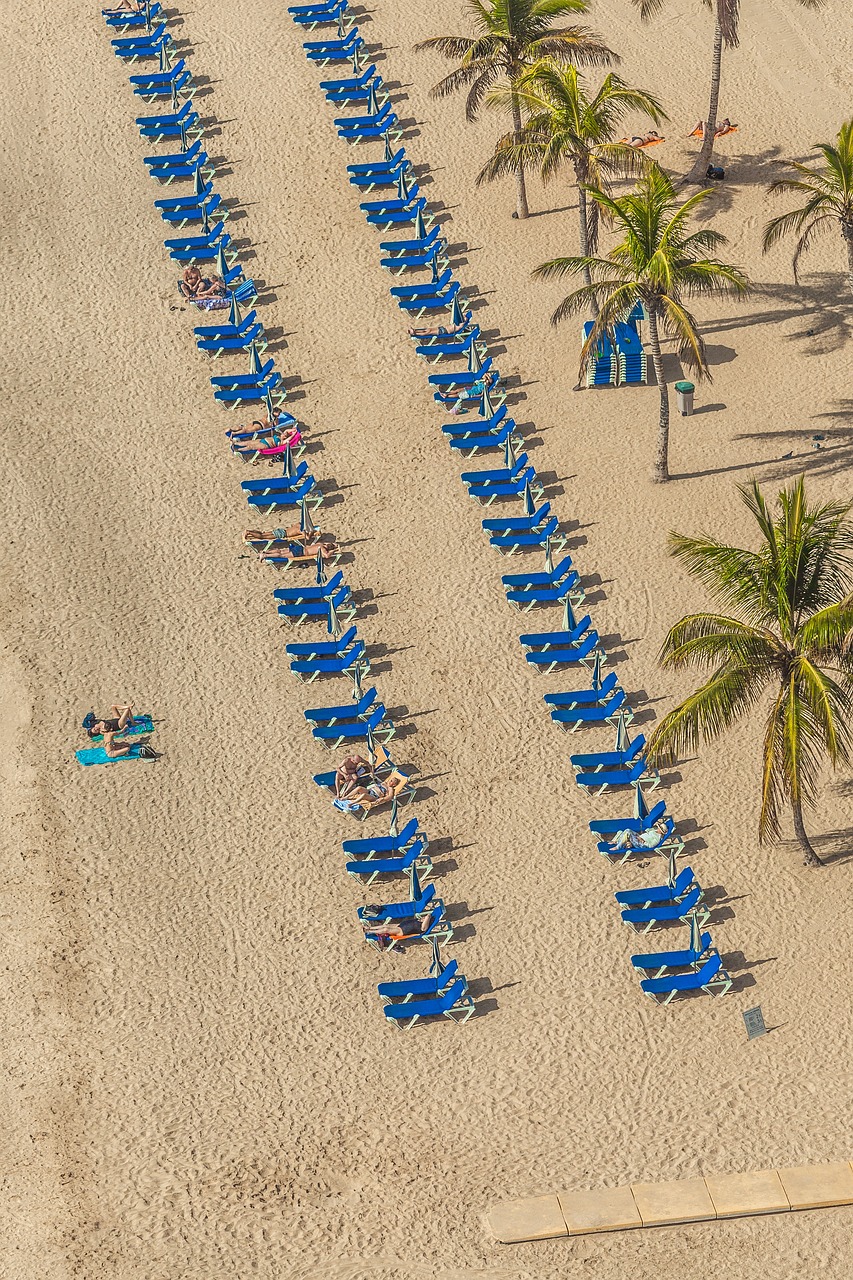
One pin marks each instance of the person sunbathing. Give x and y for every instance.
(649, 839)
(277, 441)
(385, 935)
(350, 775)
(98, 727)
(443, 331)
(287, 549)
(724, 127)
(197, 288)
(455, 400)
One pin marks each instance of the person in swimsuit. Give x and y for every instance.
(107, 728)
(197, 288)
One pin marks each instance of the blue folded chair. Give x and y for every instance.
(602, 371)
(712, 977)
(347, 711)
(305, 609)
(322, 648)
(308, 669)
(570, 719)
(453, 1003)
(376, 725)
(408, 988)
(659, 894)
(394, 912)
(367, 869)
(658, 962)
(374, 846)
(643, 919)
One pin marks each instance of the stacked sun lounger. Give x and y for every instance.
(630, 354)
(603, 370)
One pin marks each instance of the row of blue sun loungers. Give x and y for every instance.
(364, 719)
(493, 430)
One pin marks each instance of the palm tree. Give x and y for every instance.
(829, 192)
(726, 18)
(658, 263)
(789, 638)
(567, 126)
(511, 35)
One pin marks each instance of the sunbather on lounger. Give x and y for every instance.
(649, 839)
(350, 775)
(455, 400)
(202, 290)
(443, 330)
(327, 548)
(386, 935)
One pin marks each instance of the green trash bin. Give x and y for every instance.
(684, 396)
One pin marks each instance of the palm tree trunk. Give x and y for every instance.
(521, 189)
(810, 859)
(661, 472)
(847, 232)
(700, 168)
(584, 234)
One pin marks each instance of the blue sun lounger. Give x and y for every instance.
(321, 6)
(243, 379)
(394, 912)
(156, 87)
(659, 894)
(233, 397)
(596, 761)
(279, 498)
(332, 735)
(546, 641)
(450, 348)
(322, 648)
(602, 370)
(475, 426)
(408, 988)
(344, 84)
(389, 213)
(308, 669)
(282, 482)
(374, 846)
(154, 79)
(472, 445)
(321, 16)
(340, 49)
(660, 961)
(367, 869)
(240, 340)
(167, 174)
(541, 597)
(125, 19)
(359, 92)
(533, 581)
(460, 377)
(436, 926)
(518, 524)
(188, 125)
(169, 118)
(402, 250)
(630, 356)
(453, 1003)
(426, 287)
(610, 826)
(312, 591)
(129, 46)
(360, 710)
(669, 840)
(570, 719)
(181, 216)
(177, 203)
(563, 655)
(644, 919)
(355, 124)
(97, 755)
(487, 493)
(177, 157)
(430, 302)
(598, 783)
(302, 610)
(508, 543)
(495, 475)
(198, 248)
(398, 217)
(712, 977)
(374, 177)
(583, 697)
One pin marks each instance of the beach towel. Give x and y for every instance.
(346, 806)
(97, 755)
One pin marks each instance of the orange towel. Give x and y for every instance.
(729, 128)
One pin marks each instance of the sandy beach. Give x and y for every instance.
(198, 1080)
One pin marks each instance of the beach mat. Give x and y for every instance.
(97, 755)
(139, 724)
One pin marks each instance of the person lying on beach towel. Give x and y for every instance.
(96, 726)
(651, 139)
(208, 293)
(724, 127)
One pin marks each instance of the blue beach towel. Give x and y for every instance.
(97, 755)
(139, 724)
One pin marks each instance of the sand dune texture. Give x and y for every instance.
(198, 1082)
